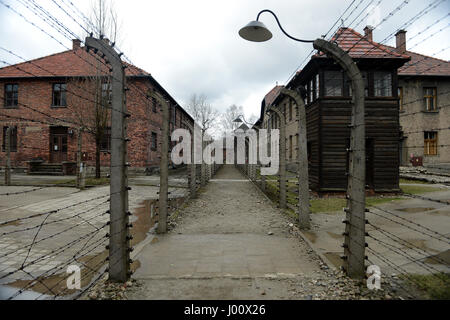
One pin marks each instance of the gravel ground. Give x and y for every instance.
(238, 207)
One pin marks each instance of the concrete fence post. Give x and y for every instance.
(192, 184)
(263, 181)
(163, 199)
(354, 243)
(81, 170)
(282, 176)
(8, 157)
(203, 165)
(303, 208)
(119, 238)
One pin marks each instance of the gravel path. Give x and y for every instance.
(232, 243)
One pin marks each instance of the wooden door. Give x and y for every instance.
(58, 145)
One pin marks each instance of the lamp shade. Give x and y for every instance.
(255, 31)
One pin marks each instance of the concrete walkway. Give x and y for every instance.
(230, 232)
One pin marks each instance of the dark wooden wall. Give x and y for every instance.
(329, 135)
(313, 137)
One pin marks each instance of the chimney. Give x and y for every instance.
(76, 44)
(368, 33)
(400, 41)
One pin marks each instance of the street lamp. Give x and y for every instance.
(354, 253)
(256, 31)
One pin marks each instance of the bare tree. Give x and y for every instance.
(228, 117)
(202, 112)
(105, 20)
(97, 118)
(252, 119)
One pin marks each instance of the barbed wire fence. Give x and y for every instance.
(94, 233)
(90, 249)
(387, 241)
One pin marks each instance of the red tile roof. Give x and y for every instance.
(272, 95)
(360, 47)
(71, 63)
(424, 65)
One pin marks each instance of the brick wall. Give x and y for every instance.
(33, 137)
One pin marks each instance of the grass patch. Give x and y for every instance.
(89, 182)
(411, 181)
(420, 189)
(327, 205)
(336, 204)
(436, 286)
(97, 182)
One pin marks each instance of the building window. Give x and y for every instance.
(308, 93)
(430, 143)
(106, 93)
(311, 91)
(11, 95)
(105, 143)
(59, 95)
(382, 84)
(13, 140)
(365, 77)
(400, 98)
(154, 142)
(154, 104)
(429, 96)
(332, 83)
(317, 87)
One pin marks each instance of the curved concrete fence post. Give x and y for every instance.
(303, 177)
(354, 245)
(119, 251)
(163, 165)
(191, 166)
(282, 170)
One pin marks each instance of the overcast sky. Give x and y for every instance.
(193, 46)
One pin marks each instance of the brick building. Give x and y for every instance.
(424, 91)
(47, 100)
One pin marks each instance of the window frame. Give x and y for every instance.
(154, 141)
(427, 98)
(340, 80)
(390, 93)
(14, 100)
(106, 139)
(14, 139)
(430, 145)
(106, 92)
(63, 93)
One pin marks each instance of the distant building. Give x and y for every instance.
(46, 100)
(424, 92)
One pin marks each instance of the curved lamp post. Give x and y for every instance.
(354, 251)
